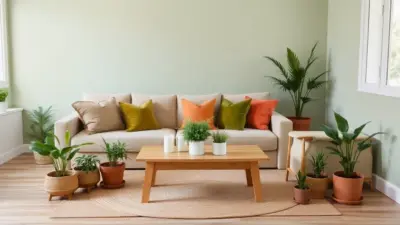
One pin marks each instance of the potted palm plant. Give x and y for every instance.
(61, 182)
(347, 184)
(196, 133)
(41, 126)
(88, 173)
(113, 170)
(294, 80)
(219, 143)
(318, 181)
(3, 98)
(301, 190)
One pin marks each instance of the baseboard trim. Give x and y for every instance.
(5, 157)
(387, 188)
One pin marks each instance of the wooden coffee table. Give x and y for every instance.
(238, 157)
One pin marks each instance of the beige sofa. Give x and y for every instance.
(168, 112)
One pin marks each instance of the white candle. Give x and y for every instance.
(180, 144)
(168, 143)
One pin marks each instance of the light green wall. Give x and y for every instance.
(358, 107)
(61, 48)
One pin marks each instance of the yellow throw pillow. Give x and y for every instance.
(139, 118)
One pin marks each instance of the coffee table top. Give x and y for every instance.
(235, 153)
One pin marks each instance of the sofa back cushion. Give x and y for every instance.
(99, 116)
(164, 108)
(95, 97)
(235, 98)
(197, 99)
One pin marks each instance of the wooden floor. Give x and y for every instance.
(23, 201)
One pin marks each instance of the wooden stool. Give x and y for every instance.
(308, 138)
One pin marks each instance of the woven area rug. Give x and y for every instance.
(192, 195)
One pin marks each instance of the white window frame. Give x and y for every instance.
(381, 86)
(4, 83)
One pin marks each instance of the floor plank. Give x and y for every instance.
(23, 201)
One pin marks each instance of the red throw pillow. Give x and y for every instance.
(260, 113)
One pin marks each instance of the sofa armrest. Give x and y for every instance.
(71, 123)
(281, 126)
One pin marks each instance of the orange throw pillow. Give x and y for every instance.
(199, 113)
(260, 113)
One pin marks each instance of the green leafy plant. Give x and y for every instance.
(3, 94)
(60, 157)
(294, 79)
(196, 131)
(87, 163)
(301, 181)
(115, 151)
(345, 144)
(219, 137)
(42, 123)
(318, 163)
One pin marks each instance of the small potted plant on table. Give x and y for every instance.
(61, 182)
(347, 184)
(301, 190)
(88, 173)
(318, 181)
(219, 143)
(196, 133)
(113, 170)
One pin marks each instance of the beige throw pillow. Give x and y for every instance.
(99, 117)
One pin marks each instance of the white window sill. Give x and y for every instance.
(11, 111)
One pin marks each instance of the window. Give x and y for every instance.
(3, 46)
(380, 47)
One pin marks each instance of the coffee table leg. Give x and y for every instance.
(255, 176)
(153, 180)
(248, 178)
(148, 180)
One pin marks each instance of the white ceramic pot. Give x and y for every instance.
(196, 147)
(3, 107)
(219, 148)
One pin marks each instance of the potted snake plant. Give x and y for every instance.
(294, 81)
(301, 190)
(318, 181)
(347, 184)
(61, 181)
(88, 173)
(113, 170)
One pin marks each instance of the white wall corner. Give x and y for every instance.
(387, 188)
(7, 156)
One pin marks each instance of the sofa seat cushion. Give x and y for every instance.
(134, 140)
(265, 139)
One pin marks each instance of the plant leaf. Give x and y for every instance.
(332, 133)
(358, 130)
(279, 65)
(341, 122)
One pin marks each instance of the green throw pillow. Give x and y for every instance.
(139, 118)
(233, 116)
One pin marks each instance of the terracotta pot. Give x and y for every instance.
(42, 160)
(301, 123)
(112, 175)
(318, 186)
(301, 196)
(61, 186)
(88, 179)
(347, 190)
